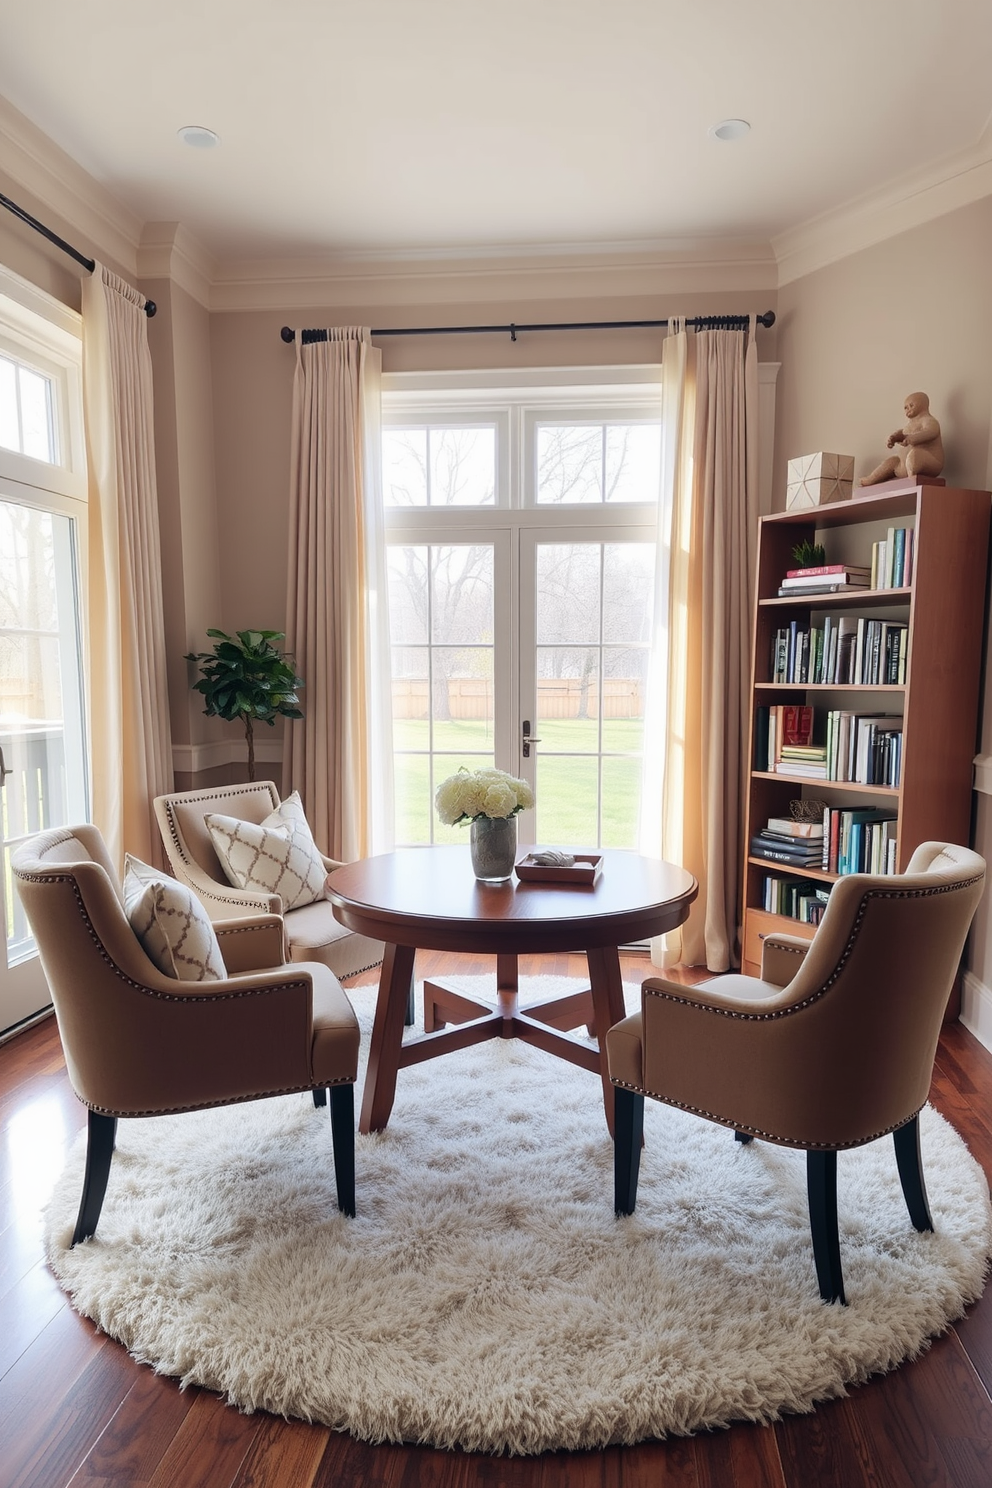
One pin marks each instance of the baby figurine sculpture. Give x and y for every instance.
(921, 437)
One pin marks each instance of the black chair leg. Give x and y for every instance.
(320, 1097)
(408, 1016)
(628, 1127)
(910, 1164)
(743, 1137)
(821, 1188)
(343, 1142)
(100, 1137)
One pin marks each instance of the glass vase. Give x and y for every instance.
(493, 842)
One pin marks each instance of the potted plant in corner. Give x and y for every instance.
(246, 677)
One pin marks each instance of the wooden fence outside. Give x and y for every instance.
(470, 697)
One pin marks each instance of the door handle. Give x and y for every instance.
(4, 772)
(528, 738)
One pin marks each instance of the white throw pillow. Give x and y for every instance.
(277, 855)
(172, 925)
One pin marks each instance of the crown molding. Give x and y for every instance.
(92, 218)
(915, 199)
(684, 268)
(170, 251)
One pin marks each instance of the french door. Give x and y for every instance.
(526, 647)
(42, 758)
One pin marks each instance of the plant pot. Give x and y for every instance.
(493, 842)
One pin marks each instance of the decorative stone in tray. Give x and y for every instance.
(584, 868)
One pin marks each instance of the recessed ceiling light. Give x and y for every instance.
(197, 137)
(730, 129)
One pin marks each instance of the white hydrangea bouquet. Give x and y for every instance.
(472, 794)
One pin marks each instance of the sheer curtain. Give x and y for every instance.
(130, 734)
(339, 755)
(703, 628)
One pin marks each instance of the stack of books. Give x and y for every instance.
(795, 898)
(892, 560)
(864, 748)
(829, 578)
(842, 650)
(798, 844)
(859, 841)
(808, 760)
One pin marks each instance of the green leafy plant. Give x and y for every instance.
(809, 554)
(246, 677)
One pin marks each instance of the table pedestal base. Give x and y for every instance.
(542, 1024)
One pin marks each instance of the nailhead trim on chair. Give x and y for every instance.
(140, 986)
(755, 1131)
(231, 1100)
(796, 1007)
(220, 794)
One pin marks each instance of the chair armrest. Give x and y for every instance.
(224, 901)
(331, 863)
(781, 958)
(254, 944)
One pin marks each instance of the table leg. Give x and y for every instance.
(395, 984)
(608, 1008)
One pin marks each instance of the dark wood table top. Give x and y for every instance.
(428, 897)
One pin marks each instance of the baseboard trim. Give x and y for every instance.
(976, 1008)
(190, 759)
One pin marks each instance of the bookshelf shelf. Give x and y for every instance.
(815, 785)
(943, 612)
(857, 598)
(851, 687)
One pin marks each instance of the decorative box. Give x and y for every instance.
(585, 870)
(815, 480)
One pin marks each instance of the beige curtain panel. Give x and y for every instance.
(710, 397)
(130, 734)
(338, 756)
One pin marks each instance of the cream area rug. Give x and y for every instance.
(486, 1297)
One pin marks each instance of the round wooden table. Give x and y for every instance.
(428, 898)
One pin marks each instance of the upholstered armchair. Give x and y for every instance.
(312, 932)
(832, 1047)
(138, 1042)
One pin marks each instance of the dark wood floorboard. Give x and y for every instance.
(75, 1408)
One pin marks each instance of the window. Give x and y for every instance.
(521, 565)
(42, 532)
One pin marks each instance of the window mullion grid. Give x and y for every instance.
(599, 684)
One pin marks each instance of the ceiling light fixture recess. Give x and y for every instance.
(197, 137)
(730, 129)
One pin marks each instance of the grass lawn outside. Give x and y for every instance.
(569, 773)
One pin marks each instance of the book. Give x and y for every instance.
(797, 725)
(825, 568)
(839, 580)
(761, 849)
(785, 826)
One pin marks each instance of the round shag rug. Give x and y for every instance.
(486, 1297)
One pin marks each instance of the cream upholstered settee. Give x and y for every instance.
(312, 932)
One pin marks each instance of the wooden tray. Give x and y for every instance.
(585, 870)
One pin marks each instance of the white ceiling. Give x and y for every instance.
(395, 126)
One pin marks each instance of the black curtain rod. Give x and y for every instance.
(700, 322)
(88, 264)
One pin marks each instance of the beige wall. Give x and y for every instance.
(855, 338)
(253, 383)
(179, 338)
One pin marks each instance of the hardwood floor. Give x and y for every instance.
(75, 1408)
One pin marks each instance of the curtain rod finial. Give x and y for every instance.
(150, 308)
(288, 334)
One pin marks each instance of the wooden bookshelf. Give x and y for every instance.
(944, 610)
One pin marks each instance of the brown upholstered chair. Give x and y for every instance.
(832, 1047)
(140, 1043)
(312, 932)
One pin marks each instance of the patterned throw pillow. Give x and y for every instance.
(277, 855)
(172, 925)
